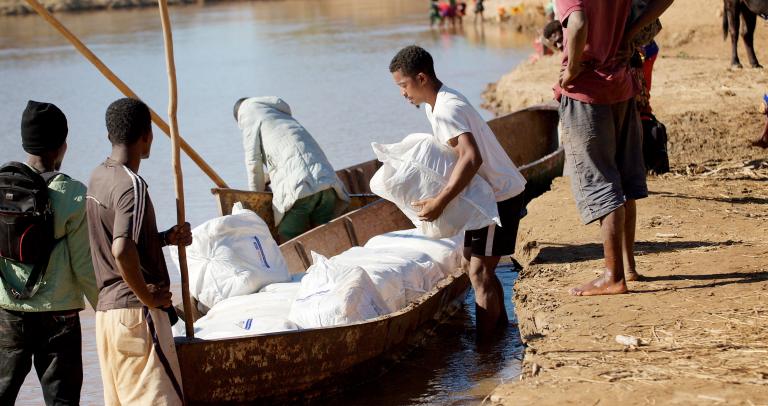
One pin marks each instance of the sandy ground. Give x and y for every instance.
(701, 316)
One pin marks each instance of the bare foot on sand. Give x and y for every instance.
(603, 285)
(632, 276)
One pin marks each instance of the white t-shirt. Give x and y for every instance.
(453, 115)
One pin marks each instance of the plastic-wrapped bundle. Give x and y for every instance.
(399, 280)
(445, 253)
(333, 296)
(232, 256)
(418, 168)
(258, 313)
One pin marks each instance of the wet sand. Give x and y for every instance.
(701, 314)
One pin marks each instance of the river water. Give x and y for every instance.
(327, 58)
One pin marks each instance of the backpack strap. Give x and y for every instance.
(33, 282)
(49, 176)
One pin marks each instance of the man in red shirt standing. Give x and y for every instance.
(601, 128)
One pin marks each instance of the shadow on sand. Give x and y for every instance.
(731, 200)
(553, 253)
(716, 279)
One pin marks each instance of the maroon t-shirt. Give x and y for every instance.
(118, 206)
(605, 80)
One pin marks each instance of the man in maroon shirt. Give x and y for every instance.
(601, 128)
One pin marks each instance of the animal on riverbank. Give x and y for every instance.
(748, 10)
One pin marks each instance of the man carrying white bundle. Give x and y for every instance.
(457, 124)
(306, 190)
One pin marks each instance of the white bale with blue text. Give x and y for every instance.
(232, 256)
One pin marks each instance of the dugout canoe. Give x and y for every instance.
(298, 366)
(529, 137)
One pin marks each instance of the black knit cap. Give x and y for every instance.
(43, 128)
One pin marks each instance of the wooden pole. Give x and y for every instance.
(91, 57)
(175, 158)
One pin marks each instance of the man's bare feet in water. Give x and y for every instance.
(603, 285)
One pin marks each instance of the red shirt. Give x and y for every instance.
(604, 80)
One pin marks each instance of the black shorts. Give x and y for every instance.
(496, 241)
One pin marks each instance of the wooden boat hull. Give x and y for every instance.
(287, 367)
(261, 203)
(530, 138)
(302, 364)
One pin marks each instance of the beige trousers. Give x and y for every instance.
(130, 367)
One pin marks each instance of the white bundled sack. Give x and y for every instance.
(331, 296)
(418, 168)
(258, 313)
(411, 244)
(292, 286)
(398, 280)
(231, 256)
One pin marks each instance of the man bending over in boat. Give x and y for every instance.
(457, 124)
(133, 332)
(305, 189)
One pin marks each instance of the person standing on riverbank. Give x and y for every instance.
(479, 10)
(455, 123)
(601, 128)
(434, 13)
(44, 325)
(133, 332)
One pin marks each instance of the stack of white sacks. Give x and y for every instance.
(391, 271)
(236, 268)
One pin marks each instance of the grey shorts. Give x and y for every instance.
(604, 155)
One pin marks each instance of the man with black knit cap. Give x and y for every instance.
(46, 326)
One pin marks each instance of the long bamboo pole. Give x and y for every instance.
(176, 161)
(91, 57)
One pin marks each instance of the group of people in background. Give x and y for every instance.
(453, 12)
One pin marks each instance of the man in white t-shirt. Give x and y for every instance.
(457, 124)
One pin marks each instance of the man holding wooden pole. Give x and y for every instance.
(133, 333)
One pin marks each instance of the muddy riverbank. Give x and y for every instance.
(700, 315)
